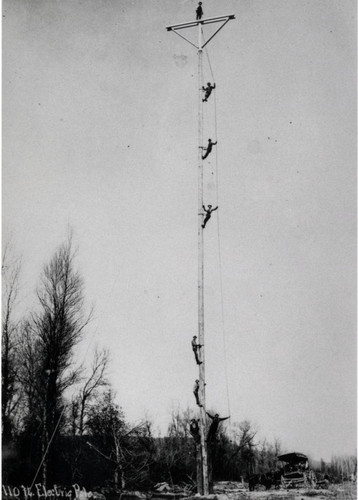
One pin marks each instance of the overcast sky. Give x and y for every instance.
(100, 135)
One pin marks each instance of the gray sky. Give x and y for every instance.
(100, 134)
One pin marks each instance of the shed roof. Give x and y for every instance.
(293, 457)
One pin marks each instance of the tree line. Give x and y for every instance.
(60, 421)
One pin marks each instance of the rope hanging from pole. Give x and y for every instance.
(47, 448)
(219, 247)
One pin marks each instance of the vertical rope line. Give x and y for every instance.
(48, 446)
(201, 96)
(219, 247)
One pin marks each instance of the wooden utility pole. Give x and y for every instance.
(202, 451)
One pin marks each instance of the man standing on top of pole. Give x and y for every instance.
(199, 12)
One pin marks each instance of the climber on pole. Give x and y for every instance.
(209, 148)
(195, 347)
(214, 426)
(208, 91)
(199, 11)
(195, 429)
(196, 392)
(208, 211)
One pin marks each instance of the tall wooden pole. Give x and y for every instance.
(204, 454)
(201, 448)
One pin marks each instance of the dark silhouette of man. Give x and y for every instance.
(209, 148)
(195, 429)
(214, 426)
(199, 12)
(208, 91)
(208, 211)
(195, 347)
(196, 392)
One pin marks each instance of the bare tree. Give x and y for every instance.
(30, 376)
(89, 390)
(57, 328)
(177, 451)
(107, 425)
(9, 360)
(245, 445)
(180, 423)
(128, 450)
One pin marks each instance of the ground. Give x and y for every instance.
(346, 491)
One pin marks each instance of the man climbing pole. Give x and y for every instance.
(214, 426)
(195, 347)
(196, 392)
(208, 211)
(199, 12)
(208, 149)
(195, 429)
(208, 91)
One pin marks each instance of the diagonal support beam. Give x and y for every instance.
(217, 31)
(209, 20)
(186, 39)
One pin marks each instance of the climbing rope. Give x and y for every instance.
(48, 446)
(219, 246)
